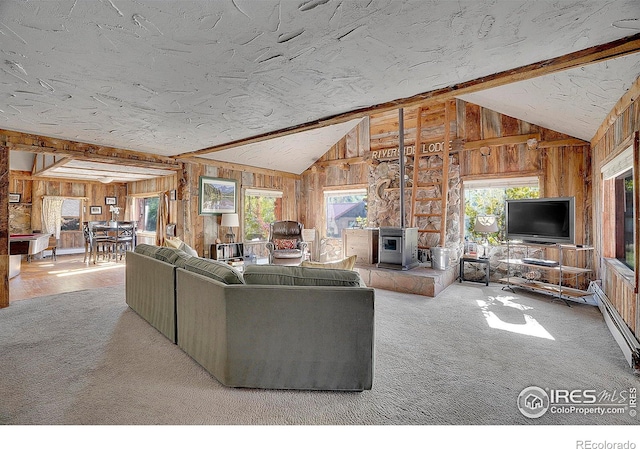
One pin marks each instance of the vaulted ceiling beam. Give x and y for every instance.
(95, 153)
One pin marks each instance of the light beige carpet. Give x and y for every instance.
(86, 358)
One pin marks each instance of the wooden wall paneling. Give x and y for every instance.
(364, 141)
(352, 144)
(613, 137)
(461, 118)
(509, 161)
(491, 123)
(39, 190)
(510, 126)
(636, 214)
(472, 122)
(4, 226)
(341, 147)
(197, 226)
(189, 194)
(529, 159)
(575, 182)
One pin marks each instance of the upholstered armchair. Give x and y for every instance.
(285, 245)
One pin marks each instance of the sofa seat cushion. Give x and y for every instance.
(214, 269)
(173, 256)
(344, 264)
(289, 275)
(146, 250)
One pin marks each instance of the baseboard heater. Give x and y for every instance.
(621, 333)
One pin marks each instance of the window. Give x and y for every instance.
(261, 208)
(344, 209)
(487, 197)
(624, 219)
(618, 230)
(146, 212)
(71, 214)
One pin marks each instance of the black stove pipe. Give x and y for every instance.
(401, 155)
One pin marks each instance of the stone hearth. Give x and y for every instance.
(422, 280)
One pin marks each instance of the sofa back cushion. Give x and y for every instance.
(288, 275)
(146, 250)
(173, 256)
(345, 264)
(214, 269)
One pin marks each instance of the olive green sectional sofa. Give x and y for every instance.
(275, 327)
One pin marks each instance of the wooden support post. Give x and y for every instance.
(4, 226)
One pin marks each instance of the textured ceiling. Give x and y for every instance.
(172, 77)
(574, 102)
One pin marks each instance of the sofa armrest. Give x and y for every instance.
(150, 291)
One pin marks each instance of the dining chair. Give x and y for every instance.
(124, 238)
(97, 242)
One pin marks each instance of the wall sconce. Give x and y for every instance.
(230, 221)
(532, 144)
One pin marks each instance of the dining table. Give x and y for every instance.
(114, 234)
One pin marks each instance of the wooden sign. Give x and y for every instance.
(409, 150)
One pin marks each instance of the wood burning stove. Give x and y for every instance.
(398, 248)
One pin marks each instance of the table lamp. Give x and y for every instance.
(230, 221)
(485, 224)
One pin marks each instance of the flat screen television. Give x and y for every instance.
(541, 220)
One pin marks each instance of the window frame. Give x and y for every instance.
(504, 182)
(623, 162)
(259, 192)
(81, 217)
(131, 212)
(341, 190)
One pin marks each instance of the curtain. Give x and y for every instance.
(163, 218)
(52, 215)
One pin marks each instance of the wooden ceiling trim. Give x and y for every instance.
(499, 141)
(46, 168)
(561, 143)
(241, 167)
(78, 150)
(623, 103)
(591, 55)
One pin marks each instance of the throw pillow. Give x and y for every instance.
(175, 242)
(187, 249)
(344, 264)
(285, 243)
(214, 269)
(290, 275)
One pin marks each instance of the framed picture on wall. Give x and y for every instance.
(217, 196)
(14, 197)
(95, 210)
(110, 200)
